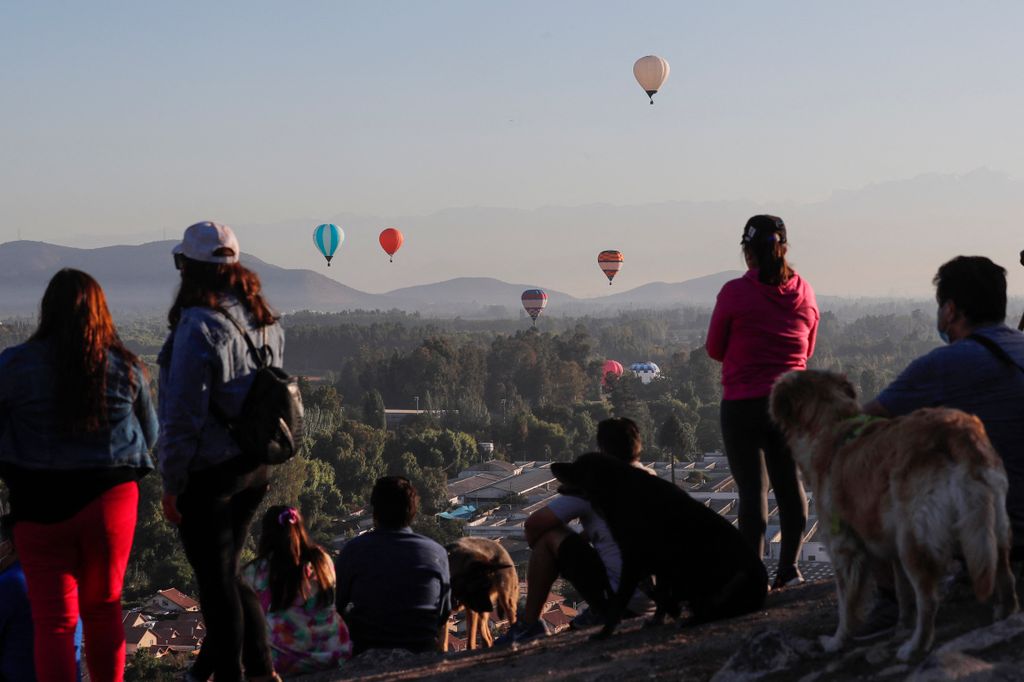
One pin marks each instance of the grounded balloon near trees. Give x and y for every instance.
(610, 262)
(651, 73)
(534, 301)
(391, 241)
(328, 237)
(612, 368)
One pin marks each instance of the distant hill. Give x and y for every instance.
(700, 291)
(142, 279)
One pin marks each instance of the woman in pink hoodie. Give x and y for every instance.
(764, 325)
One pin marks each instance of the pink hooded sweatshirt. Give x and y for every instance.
(760, 331)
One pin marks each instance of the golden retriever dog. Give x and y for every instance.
(482, 573)
(910, 491)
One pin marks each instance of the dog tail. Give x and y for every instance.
(984, 528)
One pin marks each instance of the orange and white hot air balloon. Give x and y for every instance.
(651, 73)
(391, 241)
(610, 262)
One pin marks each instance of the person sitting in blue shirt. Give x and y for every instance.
(393, 585)
(979, 370)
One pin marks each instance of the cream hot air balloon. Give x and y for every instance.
(651, 73)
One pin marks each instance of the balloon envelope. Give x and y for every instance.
(651, 73)
(327, 238)
(534, 301)
(391, 241)
(610, 262)
(611, 368)
(645, 371)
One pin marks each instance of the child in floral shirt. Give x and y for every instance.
(295, 582)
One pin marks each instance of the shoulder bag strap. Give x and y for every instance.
(995, 349)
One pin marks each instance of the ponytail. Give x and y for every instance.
(770, 256)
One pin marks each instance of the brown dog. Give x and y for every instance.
(909, 490)
(482, 573)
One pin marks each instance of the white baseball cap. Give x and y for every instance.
(209, 242)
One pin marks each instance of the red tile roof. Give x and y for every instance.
(179, 598)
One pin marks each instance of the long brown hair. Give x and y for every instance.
(205, 284)
(286, 546)
(74, 318)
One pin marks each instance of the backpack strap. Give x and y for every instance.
(995, 349)
(260, 356)
(261, 361)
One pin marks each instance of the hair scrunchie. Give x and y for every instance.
(289, 516)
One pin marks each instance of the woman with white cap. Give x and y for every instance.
(212, 490)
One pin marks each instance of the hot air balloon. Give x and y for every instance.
(391, 241)
(651, 72)
(611, 369)
(645, 371)
(534, 301)
(610, 262)
(328, 237)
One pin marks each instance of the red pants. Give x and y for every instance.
(76, 567)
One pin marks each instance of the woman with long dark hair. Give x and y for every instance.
(76, 426)
(294, 579)
(764, 324)
(211, 489)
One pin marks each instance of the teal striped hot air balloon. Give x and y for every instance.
(328, 237)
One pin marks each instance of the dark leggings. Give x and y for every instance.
(217, 509)
(753, 445)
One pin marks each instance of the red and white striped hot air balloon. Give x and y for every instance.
(534, 301)
(610, 262)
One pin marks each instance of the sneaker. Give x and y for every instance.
(787, 578)
(520, 633)
(881, 620)
(587, 618)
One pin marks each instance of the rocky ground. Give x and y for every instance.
(779, 643)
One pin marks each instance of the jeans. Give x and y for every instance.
(754, 446)
(76, 568)
(217, 509)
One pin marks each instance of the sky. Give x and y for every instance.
(127, 121)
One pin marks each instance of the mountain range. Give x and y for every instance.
(141, 279)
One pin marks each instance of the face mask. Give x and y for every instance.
(943, 334)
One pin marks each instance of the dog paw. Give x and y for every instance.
(831, 643)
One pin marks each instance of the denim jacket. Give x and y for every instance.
(206, 359)
(32, 438)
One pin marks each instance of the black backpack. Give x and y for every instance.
(269, 427)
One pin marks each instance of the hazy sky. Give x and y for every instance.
(124, 119)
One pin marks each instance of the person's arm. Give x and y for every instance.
(540, 522)
(718, 329)
(144, 409)
(812, 336)
(344, 576)
(919, 385)
(186, 400)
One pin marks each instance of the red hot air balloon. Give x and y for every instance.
(610, 262)
(611, 368)
(391, 241)
(534, 301)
